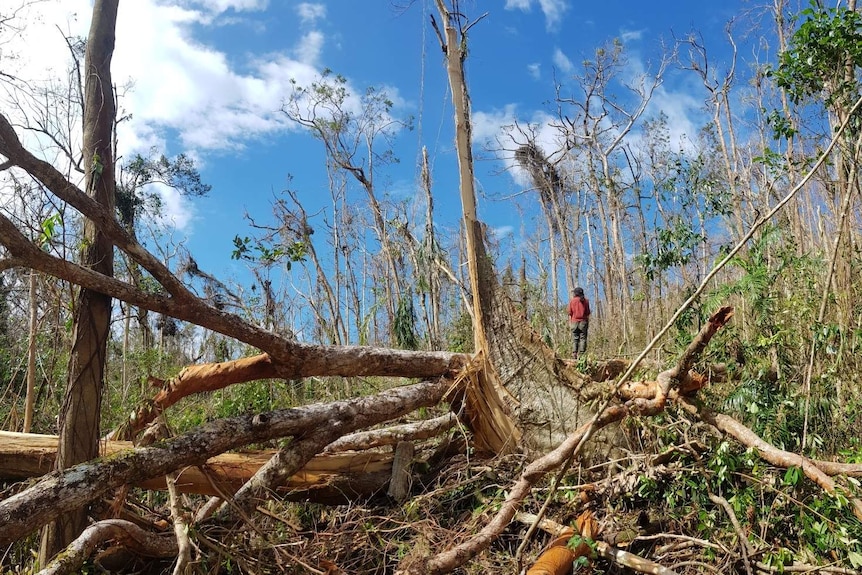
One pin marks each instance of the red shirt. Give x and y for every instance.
(579, 309)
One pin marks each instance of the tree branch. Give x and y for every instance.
(123, 532)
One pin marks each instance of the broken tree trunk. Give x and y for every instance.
(25, 455)
(212, 376)
(60, 492)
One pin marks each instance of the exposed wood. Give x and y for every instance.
(450, 559)
(492, 421)
(31, 455)
(291, 359)
(61, 491)
(287, 461)
(399, 484)
(557, 558)
(609, 552)
(212, 376)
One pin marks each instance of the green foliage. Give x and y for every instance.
(694, 197)
(675, 246)
(405, 324)
(828, 40)
(459, 336)
(5, 341)
(787, 514)
(264, 253)
(49, 229)
(576, 541)
(179, 173)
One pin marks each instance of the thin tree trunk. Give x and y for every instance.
(30, 400)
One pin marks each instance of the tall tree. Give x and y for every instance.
(79, 419)
(453, 41)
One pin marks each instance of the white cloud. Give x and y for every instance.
(175, 212)
(684, 115)
(310, 13)
(219, 6)
(684, 112)
(181, 87)
(502, 232)
(554, 10)
(488, 126)
(562, 62)
(43, 25)
(631, 35)
(504, 130)
(534, 70)
(309, 48)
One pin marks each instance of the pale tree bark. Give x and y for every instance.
(343, 134)
(79, 419)
(487, 403)
(453, 40)
(30, 400)
(594, 126)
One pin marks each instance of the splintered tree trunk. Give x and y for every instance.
(538, 406)
(455, 48)
(79, 422)
(486, 398)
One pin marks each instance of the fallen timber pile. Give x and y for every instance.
(123, 466)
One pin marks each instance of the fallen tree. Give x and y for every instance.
(73, 488)
(26, 455)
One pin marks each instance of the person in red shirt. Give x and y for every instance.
(579, 320)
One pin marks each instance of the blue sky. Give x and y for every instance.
(208, 79)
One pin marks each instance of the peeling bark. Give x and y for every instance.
(212, 376)
(30, 455)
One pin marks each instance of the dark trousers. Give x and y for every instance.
(579, 336)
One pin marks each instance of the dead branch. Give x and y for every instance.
(744, 545)
(448, 560)
(767, 451)
(77, 486)
(25, 455)
(399, 484)
(281, 467)
(452, 558)
(393, 435)
(799, 567)
(123, 532)
(181, 526)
